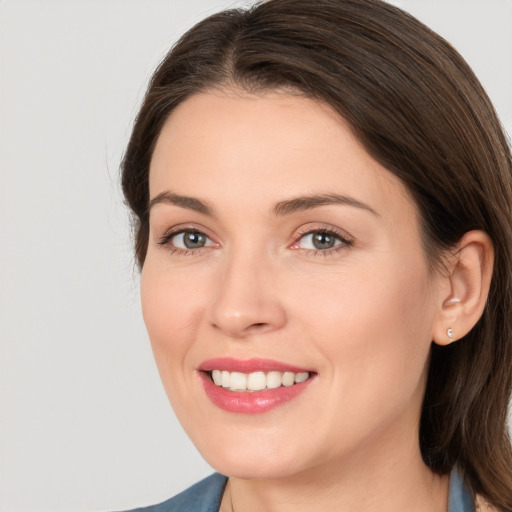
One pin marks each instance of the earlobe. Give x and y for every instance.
(469, 279)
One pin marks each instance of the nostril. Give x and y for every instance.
(260, 326)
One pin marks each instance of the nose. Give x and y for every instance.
(247, 301)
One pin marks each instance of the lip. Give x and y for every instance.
(249, 365)
(255, 402)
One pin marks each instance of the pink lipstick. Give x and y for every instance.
(252, 386)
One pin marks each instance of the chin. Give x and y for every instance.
(260, 459)
(248, 468)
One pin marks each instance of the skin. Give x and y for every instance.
(363, 316)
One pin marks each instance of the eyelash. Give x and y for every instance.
(345, 242)
(165, 241)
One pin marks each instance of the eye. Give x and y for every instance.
(186, 240)
(189, 240)
(319, 240)
(322, 240)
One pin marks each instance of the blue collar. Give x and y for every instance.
(206, 495)
(460, 498)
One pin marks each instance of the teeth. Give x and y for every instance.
(237, 381)
(288, 379)
(256, 381)
(217, 377)
(273, 379)
(301, 377)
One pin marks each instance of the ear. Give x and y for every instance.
(466, 287)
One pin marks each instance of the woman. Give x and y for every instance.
(322, 198)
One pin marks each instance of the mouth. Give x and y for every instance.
(256, 381)
(252, 386)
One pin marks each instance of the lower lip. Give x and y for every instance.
(251, 403)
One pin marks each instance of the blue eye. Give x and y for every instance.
(319, 240)
(186, 240)
(322, 240)
(189, 240)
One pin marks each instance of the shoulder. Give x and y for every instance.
(205, 496)
(483, 506)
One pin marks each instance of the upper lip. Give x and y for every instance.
(249, 365)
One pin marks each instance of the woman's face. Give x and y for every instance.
(280, 249)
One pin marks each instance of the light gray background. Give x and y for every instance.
(84, 422)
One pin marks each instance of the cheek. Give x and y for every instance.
(375, 327)
(171, 311)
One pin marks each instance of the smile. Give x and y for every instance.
(256, 381)
(253, 386)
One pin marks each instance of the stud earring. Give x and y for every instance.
(449, 332)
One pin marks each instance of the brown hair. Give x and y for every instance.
(418, 109)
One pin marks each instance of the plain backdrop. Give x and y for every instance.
(84, 422)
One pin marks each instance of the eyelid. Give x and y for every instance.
(208, 242)
(165, 239)
(345, 239)
(342, 236)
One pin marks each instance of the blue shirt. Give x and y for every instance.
(205, 496)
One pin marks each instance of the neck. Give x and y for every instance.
(385, 480)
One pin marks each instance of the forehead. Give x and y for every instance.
(270, 146)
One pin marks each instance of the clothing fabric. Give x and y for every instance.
(205, 496)
(460, 497)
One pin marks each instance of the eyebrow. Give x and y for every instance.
(190, 203)
(314, 201)
(282, 208)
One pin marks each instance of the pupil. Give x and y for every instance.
(193, 240)
(323, 241)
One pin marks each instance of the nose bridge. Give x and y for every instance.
(246, 300)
